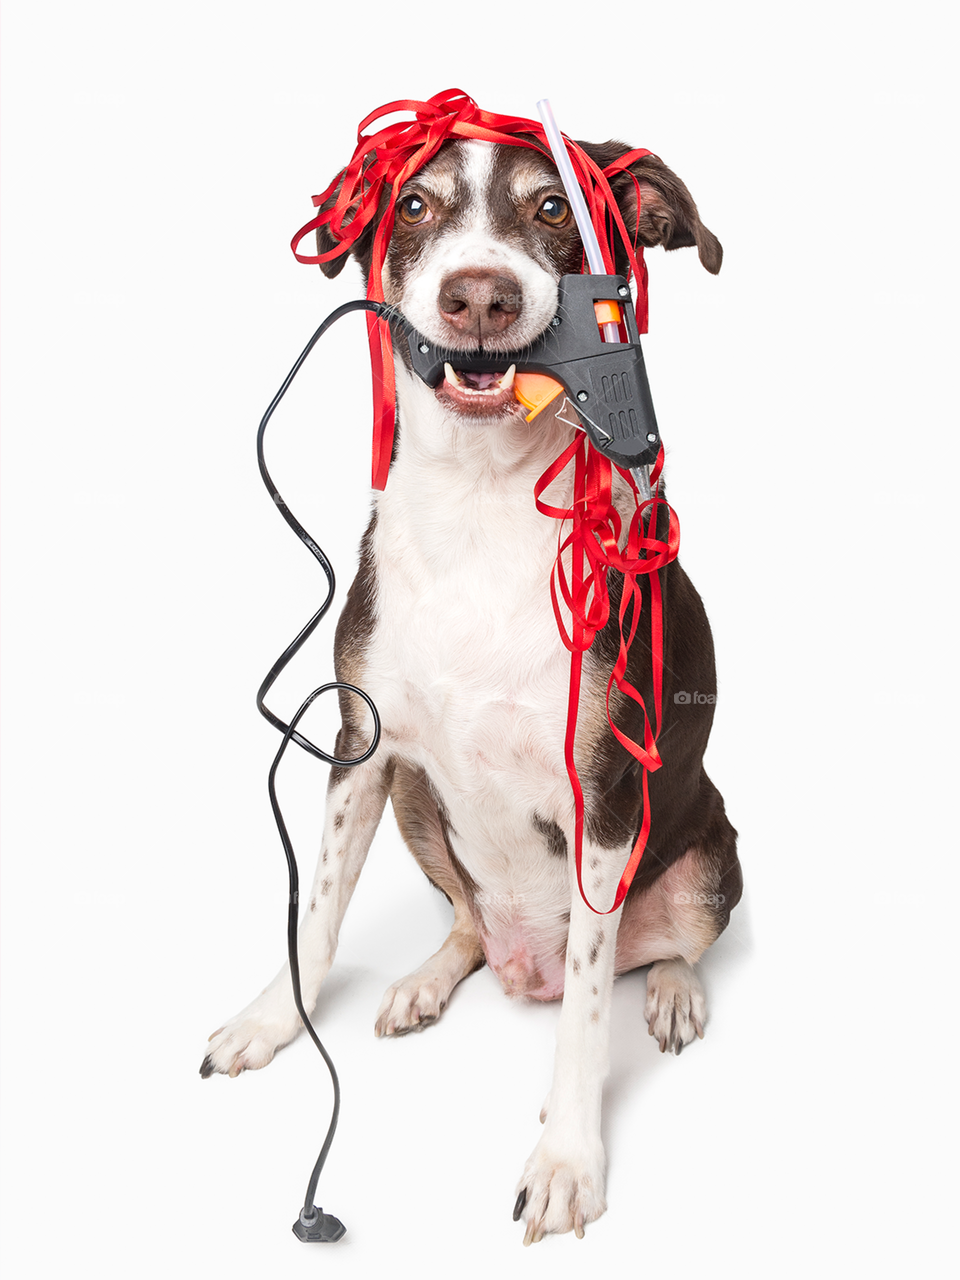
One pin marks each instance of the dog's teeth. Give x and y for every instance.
(506, 382)
(451, 375)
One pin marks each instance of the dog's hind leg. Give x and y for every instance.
(671, 924)
(418, 999)
(355, 801)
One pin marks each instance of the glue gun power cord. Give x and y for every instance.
(313, 1224)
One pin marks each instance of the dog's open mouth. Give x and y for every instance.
(479, 394)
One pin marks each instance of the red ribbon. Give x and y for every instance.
(368, 190)
(365, 192)
(595, 541)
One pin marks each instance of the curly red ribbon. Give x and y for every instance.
(366, 192)
(595, 541)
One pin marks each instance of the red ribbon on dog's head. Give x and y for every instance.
(366, 191)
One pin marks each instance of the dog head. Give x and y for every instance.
(483, 233)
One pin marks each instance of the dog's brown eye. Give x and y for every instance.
(554, 212)
(414, 210)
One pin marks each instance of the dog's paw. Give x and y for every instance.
(676, 1006)
(249, 1041)
(412, 1003)
(559, 1191)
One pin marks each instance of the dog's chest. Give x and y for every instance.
(471, 673)
(467, 668)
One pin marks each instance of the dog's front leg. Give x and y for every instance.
(562, 1187)
(355, 802)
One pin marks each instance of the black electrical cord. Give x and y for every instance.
(313, 1224)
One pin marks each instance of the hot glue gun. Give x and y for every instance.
(604, 381)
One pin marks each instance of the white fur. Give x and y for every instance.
(470, 675)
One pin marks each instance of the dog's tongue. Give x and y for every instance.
(481, 380)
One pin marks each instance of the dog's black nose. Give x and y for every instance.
(480, 302)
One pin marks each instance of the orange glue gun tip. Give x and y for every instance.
(535, 391)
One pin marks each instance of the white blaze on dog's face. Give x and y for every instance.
(482, 235)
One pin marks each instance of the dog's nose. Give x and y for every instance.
(480, 302)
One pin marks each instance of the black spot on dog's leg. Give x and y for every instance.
(556, 840)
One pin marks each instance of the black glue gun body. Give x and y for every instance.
(605, 382)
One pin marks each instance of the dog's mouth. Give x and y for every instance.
(479, 394)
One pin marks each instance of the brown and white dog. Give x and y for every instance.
(450, 628)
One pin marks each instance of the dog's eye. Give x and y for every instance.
(554, 211)
(414, 210)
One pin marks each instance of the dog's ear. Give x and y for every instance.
(668, 214)
(362, 249)
(326, 242)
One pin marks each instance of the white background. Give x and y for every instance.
(156, 161)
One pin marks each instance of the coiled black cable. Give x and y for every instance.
(313, 1224)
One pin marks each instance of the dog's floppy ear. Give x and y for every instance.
(668, 214)
(362, 248)
(326, 242)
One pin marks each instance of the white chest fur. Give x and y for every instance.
(467, 667)
(470, 670)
